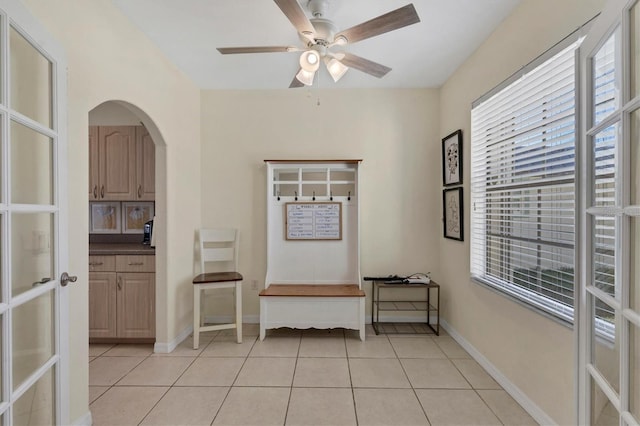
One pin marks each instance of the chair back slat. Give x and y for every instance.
(218, 248)
(218, 254)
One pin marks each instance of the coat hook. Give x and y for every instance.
(349, 197)
(314, 196)
(296, 192)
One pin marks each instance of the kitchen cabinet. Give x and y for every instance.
(121, 164)
(145, 165)
(122, 297)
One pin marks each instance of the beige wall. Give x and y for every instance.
(109, 59)
(533, 352)
(112, 114)
(394, 132)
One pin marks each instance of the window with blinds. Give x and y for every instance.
(523, 185)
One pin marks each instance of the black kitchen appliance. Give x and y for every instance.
(148, 231)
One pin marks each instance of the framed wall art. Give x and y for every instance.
(134, 216)
(104, 218)
(452, 159)
(453, 213)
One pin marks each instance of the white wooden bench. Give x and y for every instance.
(320, 306)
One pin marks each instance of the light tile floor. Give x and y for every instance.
(293, 377)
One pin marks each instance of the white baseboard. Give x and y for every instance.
(165, 348)
(84, 420)
(531, 407)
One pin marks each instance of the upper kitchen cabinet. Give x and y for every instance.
(145, 165)
(121, 164)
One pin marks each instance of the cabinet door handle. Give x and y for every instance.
(119, 283)
(95, 191)
(96, 263)
(136, 263)
(102, 192)
(139, 191)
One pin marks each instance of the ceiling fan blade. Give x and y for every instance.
(361, 64)
(293, 11)
(257, 49)
(295, 83)
(393, 20)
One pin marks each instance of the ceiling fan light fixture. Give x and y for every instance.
(305, 77)
(310, 61)
(340, 40)
(336, 68)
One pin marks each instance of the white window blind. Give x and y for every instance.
(523, 186)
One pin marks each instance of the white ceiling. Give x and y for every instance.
(421, 55)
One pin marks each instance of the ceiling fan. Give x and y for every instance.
(320, 34)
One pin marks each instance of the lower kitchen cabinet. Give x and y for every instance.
(122, 297)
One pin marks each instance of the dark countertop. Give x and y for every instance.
(102, 249)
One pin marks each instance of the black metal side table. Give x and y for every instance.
(430, 304)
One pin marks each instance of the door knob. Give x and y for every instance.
(66, 279)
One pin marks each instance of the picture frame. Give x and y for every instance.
(452, 159)
(104, 218)
(135, 214)
(453, 213)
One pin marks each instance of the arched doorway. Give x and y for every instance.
(122, 113)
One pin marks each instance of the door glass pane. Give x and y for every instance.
(606, 84)
(635, 49)
(36, 406)
(2, 317)
(603, 413)
(634, 264)
(634, 371)
(606, 345)
(32, 327)
(32, 250)
(604, 159)
(635, 157)
(30, 84)
(31, 166)
(604, 256)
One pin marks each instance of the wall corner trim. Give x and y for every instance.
(165, 348)
(516, 393)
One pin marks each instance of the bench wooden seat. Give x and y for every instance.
(319, 306)
(313, 290)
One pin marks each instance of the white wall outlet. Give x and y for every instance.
(254, 284)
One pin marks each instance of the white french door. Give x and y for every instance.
(609, 308)
(32, 220)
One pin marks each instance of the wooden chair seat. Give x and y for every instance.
(217, 277)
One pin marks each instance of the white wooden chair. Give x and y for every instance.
(219, 248)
